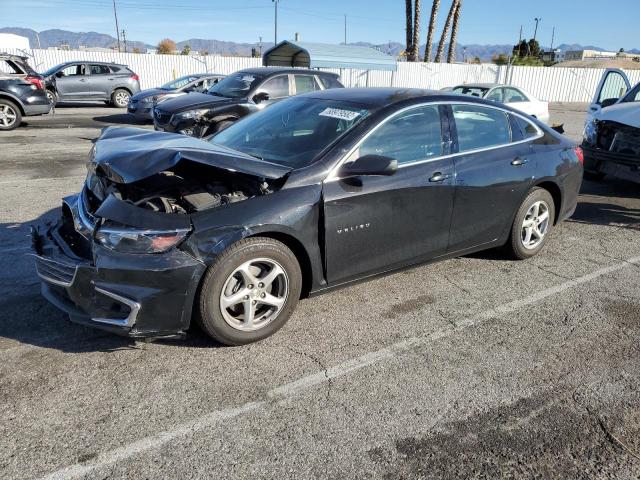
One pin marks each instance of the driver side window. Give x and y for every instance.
(410, 136)
(276, 87)
(73, 70)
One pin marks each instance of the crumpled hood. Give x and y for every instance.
(193, 101)
(129, 154)
(627, 113)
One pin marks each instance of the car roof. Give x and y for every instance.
(374, 98)
(94, 63)
(272, 70)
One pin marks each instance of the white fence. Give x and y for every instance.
(550, 84)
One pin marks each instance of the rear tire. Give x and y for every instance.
(53, 98)
(593, 176)
(10, 116)
(120, 98)
(249, 292)
(532, 225)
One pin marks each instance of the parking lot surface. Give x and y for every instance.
(473, 367)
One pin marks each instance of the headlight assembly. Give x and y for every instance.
(590, 132)
(131, 240)
(191, 114)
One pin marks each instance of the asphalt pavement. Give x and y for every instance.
(476, 367)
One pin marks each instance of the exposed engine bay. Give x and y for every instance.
(188, 187)
(617, 138)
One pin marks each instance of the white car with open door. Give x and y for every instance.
(515, 97)
(611, 140)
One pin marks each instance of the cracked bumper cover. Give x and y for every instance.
(136, 295)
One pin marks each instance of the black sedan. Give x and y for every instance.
(313, 193)
(238, 95)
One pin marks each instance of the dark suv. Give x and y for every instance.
(87, 81)
(238, 95)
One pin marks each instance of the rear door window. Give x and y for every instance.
(480, 127)
(528, 129)
(99, 70)
(305, 84)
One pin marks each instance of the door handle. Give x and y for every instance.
(518, 162)
(439, 177)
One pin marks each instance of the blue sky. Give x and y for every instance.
(377, 21)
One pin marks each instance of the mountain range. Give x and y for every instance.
(56, 37)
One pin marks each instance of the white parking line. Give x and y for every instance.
(306, 383)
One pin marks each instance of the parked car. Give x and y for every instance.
(611, 140)
(313, 193)
(515, 97)
(17, 66)
(236, 96)
(141, 104)
(92, 81)
(20, 98)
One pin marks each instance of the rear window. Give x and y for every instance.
(329, 81)
(12, 67)
(527, 128)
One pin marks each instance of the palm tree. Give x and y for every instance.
(415, 45)
(432, 28)
(454, 34)
(409, 15)
(445, 32)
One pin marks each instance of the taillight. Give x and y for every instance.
(36, 81)
(135, 77)
(580, 154)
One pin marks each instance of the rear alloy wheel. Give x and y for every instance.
(10, 116)
(120, 98)
(250, 291)
(532, 225)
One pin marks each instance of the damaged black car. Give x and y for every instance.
(313, 193)
(612, 148)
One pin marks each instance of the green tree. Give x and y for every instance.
(501, 59)
(186, 50)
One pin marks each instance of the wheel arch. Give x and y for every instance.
(556, 193)
(14, 100)
(121, 87)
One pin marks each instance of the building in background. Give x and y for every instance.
(10, 41)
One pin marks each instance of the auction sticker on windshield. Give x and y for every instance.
(340, 114)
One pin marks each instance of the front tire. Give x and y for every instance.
(10, 116)
(250, 291)
(532, 225)
(120, 98)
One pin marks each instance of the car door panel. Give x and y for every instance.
(72, 85)
(376, 223)
(490, 182)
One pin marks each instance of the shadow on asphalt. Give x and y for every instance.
(593, 207)
(120, 118)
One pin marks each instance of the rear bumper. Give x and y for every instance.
(37, 105)
(135, 295)
(621, 166)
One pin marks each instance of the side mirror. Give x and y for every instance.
(607, 102)
(59, 74)
(370, 165)
(260, 97)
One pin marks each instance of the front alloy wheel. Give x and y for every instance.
(250, 291)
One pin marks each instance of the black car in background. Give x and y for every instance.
(142, 103)
(84, 81)
(313, 193)
(17, 66)
(238, 95)
(20, 98)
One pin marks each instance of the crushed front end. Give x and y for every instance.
(612, 148)
(140, 295)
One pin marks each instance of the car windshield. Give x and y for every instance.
(473, 91)
(53, 70)
(633, 95)
(178, 82)
(235, 86)
(292, 132)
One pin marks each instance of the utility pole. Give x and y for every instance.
(553, 35)
(520, 42)
(345, 28)
(275, 24)
(260, 46)
(124, 40)
(115, 14)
